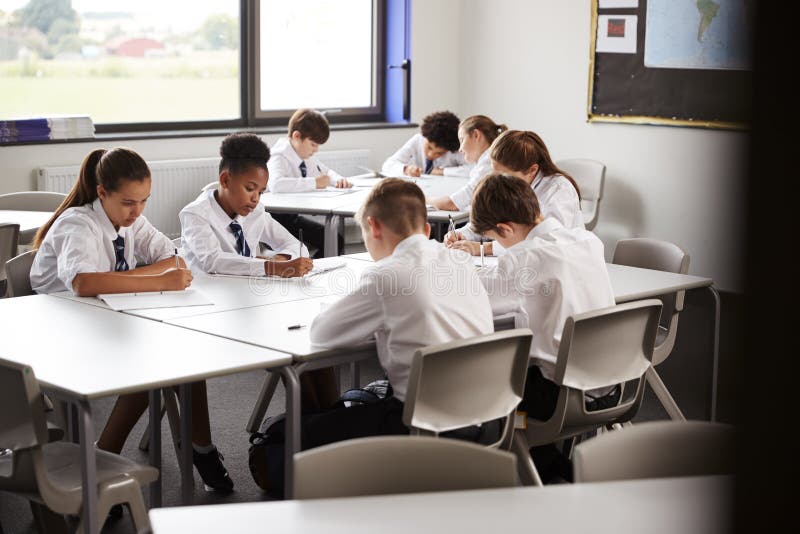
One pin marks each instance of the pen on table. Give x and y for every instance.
(177, 263)
(296, 327)
(301, 243)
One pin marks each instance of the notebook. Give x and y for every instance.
(154, 299)
(321, 265)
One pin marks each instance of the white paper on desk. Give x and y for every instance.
(155, 299)
(323, 265)
(327, 193)
(364, 181)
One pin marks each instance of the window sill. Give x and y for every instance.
(216, 132)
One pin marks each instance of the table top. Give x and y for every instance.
(27, 220)
(87, 352)
(238, 293)
(313, 202)
(687, 505)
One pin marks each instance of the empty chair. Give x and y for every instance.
(590, 176)
(468, 382)
(660, 256)
(399, 464)
(9, 238)
(31, 201)
(18, 272)
(598, 349)
(657, 449)
(49, 474)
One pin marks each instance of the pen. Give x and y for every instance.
(481, 252)
(452, 226)
(301, 243)
(296, 327)
(177, 263)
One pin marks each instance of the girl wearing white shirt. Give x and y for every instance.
(524, 155)
(432, 151)
(475, 135)
(90, 246)
(221, 230)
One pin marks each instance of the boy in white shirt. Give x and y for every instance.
(294, 168)
(432, 151)
(548, 273)
(406, 301)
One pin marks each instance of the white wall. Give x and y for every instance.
(525, 63)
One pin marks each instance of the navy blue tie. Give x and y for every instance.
(241, 244)
(428, 166)
(303, 172)
(119, 253)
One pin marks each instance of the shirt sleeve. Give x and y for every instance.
(150, 245)
(284, 179)
(500, 286)
(463, 197)
(199, 238)
(351, 320)
(279, 239)
(394, 164)
(78, 250)
(457, 166)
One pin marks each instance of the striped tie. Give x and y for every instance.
(119, 252)
(428, 166)
(303, 172)
(241, 244)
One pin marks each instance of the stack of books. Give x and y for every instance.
(46, 128)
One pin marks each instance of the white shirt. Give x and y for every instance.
(413, 153)
(463, 197)
(554, 273)
(557, 199)
(210, 246)
(423, 294)
(284, 170)
(81, 240)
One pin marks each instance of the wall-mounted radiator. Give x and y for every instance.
(178, 182)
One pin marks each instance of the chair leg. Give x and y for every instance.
(663, 395)
(173, 417)
(141, 522)
(264, 397)
(144, 443)
(527, 470)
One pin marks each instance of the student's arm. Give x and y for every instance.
(406, 155)
(502, 289)
(336, 179)
(351, 320)
(93, 284)
(284, 179)
(279, 238)
(443, 203)
(200, 239)
(151, 246)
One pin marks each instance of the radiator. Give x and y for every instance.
(178, 182)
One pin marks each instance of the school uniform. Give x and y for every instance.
(288, 173)
(215, 243)
(413, 153)
(423, 294)
(557, 198)
(463, 197)
(554, 273)
(83, 240)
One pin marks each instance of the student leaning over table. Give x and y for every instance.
(90, 246)
(434, 150)
(405, 301)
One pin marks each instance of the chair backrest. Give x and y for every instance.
(467, 382)
(590, 176)
(399, 464)
(660, 256)
(657, 449)
(9, 241)
(18, 271)
(22, 423)
(32, 201)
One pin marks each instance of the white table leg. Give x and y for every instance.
(155, 445)
(187, 471)
(292, 444)
(331, 235)
(88, 467)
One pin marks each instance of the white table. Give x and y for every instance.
(29, 222)
(80, 353)
(690, 505)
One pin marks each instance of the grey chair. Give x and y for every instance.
(598, 349)
(9, 240)
(657, 449)
(49, 474)
(399, 464)
(468, 382)
(18, 270)
(31, 201)
(660, 256)
(590, 175)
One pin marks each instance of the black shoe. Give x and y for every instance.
(214, 475)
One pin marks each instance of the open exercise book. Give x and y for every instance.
(321, 265)
(154, 299)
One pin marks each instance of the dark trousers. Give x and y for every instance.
(313, 232)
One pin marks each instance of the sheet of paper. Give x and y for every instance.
(611, 4)
(321, 265)
(616, 34)
(155, 299)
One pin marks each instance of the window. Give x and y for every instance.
(167, 65)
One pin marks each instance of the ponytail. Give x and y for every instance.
(485, 125)
(520, 150)
(101, 167)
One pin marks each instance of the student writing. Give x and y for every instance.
(434, 150)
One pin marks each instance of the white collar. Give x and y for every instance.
(105, 223)
(544, 228)
(219, 212)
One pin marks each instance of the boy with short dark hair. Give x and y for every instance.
(432, 151)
